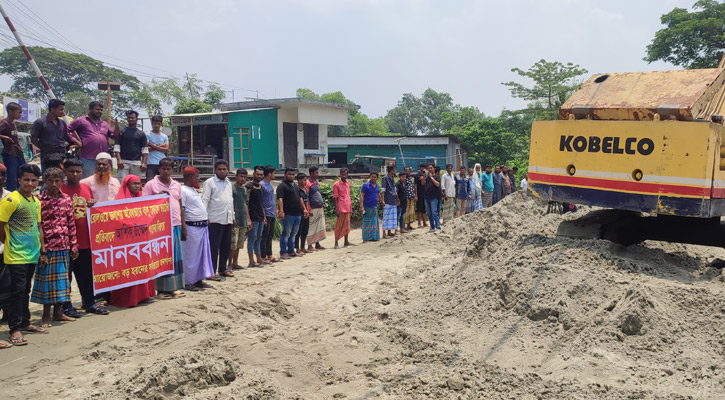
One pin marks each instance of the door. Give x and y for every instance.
(241, 147)
(289, 141)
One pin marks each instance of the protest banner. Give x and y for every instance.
(131, 241)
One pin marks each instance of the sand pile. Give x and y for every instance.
(495, 307)
(561, 318)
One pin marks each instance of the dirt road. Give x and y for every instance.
(499, 309)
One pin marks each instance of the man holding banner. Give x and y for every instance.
(197, 254)
(168, 286)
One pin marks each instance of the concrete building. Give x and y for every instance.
(407, 150)
(281, 132)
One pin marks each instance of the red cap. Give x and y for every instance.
(190, 171)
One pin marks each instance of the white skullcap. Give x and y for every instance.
(104, 156)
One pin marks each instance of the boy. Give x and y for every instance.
(402, 199)
(158, 147)
(51, 286)
(239, 230)
(81, 198)
(24, 248)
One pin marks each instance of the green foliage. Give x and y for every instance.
(71, 74)
(186, 96)
(406, 118)
(691, 39)
(494, 140)
(554, 82)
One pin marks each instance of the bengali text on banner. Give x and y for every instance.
(131, 241)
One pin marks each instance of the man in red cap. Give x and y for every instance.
(196, 250)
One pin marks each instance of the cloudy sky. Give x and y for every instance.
(371, 50)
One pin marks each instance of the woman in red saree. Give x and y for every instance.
(131, 296)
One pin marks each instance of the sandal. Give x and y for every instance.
(203, 285)
(164, 296)
(33, 329)
(177, 293)
(216, 278)
(275, 260)
(227, 273)
(72, 312)
(5, 345)
(96, 309)
(18, 340)
(192, 288)
(236, 267)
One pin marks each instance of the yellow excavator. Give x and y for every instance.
(649, 147)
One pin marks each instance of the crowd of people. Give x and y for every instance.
(46, 239)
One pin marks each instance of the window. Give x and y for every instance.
(312, 136)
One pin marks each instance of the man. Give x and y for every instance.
(389, 200)
(488, 187)
(270, 213)
(94, 133)
(218, 200)
(241, 220)
(22, 234)
(158, 144)
(463, 192)
(12, 154)
(131, 149)
(82, 267)
(50, 133)
(104, 186)
(505, 181)
(290, 210)
(301, 238)
(497, 185)
(168, 286)
(448, 185)
(419, 196)
(402, 200)
(255, 217)
(196, 250)
(432, 196)
(317, 212)
(410, 195)
(343, 207)
(525, 182)
(471, 203)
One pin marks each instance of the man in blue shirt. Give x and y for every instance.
(270, 211)
(487, 183)
(463, 192)
(158, 144)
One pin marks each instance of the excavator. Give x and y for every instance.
(646, 149)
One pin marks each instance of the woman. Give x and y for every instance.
(131, 296)
(478, 195)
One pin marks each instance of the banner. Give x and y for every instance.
(131, 241)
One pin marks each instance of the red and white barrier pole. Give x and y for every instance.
(47, 88)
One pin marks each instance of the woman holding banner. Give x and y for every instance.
(131, 296)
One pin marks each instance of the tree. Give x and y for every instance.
(554, 82)
(406, 117)
(357, 122)
(691, 39)
(185, 96)
(67, 74)
(434, 105)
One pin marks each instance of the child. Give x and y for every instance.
(402, 200)
(51, 286)
(239, 231)
(301, 237)
(24, 248)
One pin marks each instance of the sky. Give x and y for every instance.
(372, 51)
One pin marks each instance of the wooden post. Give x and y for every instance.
(191, 143)
(109, 104)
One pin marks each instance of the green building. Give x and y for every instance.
(406, 150)
(280, 132)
